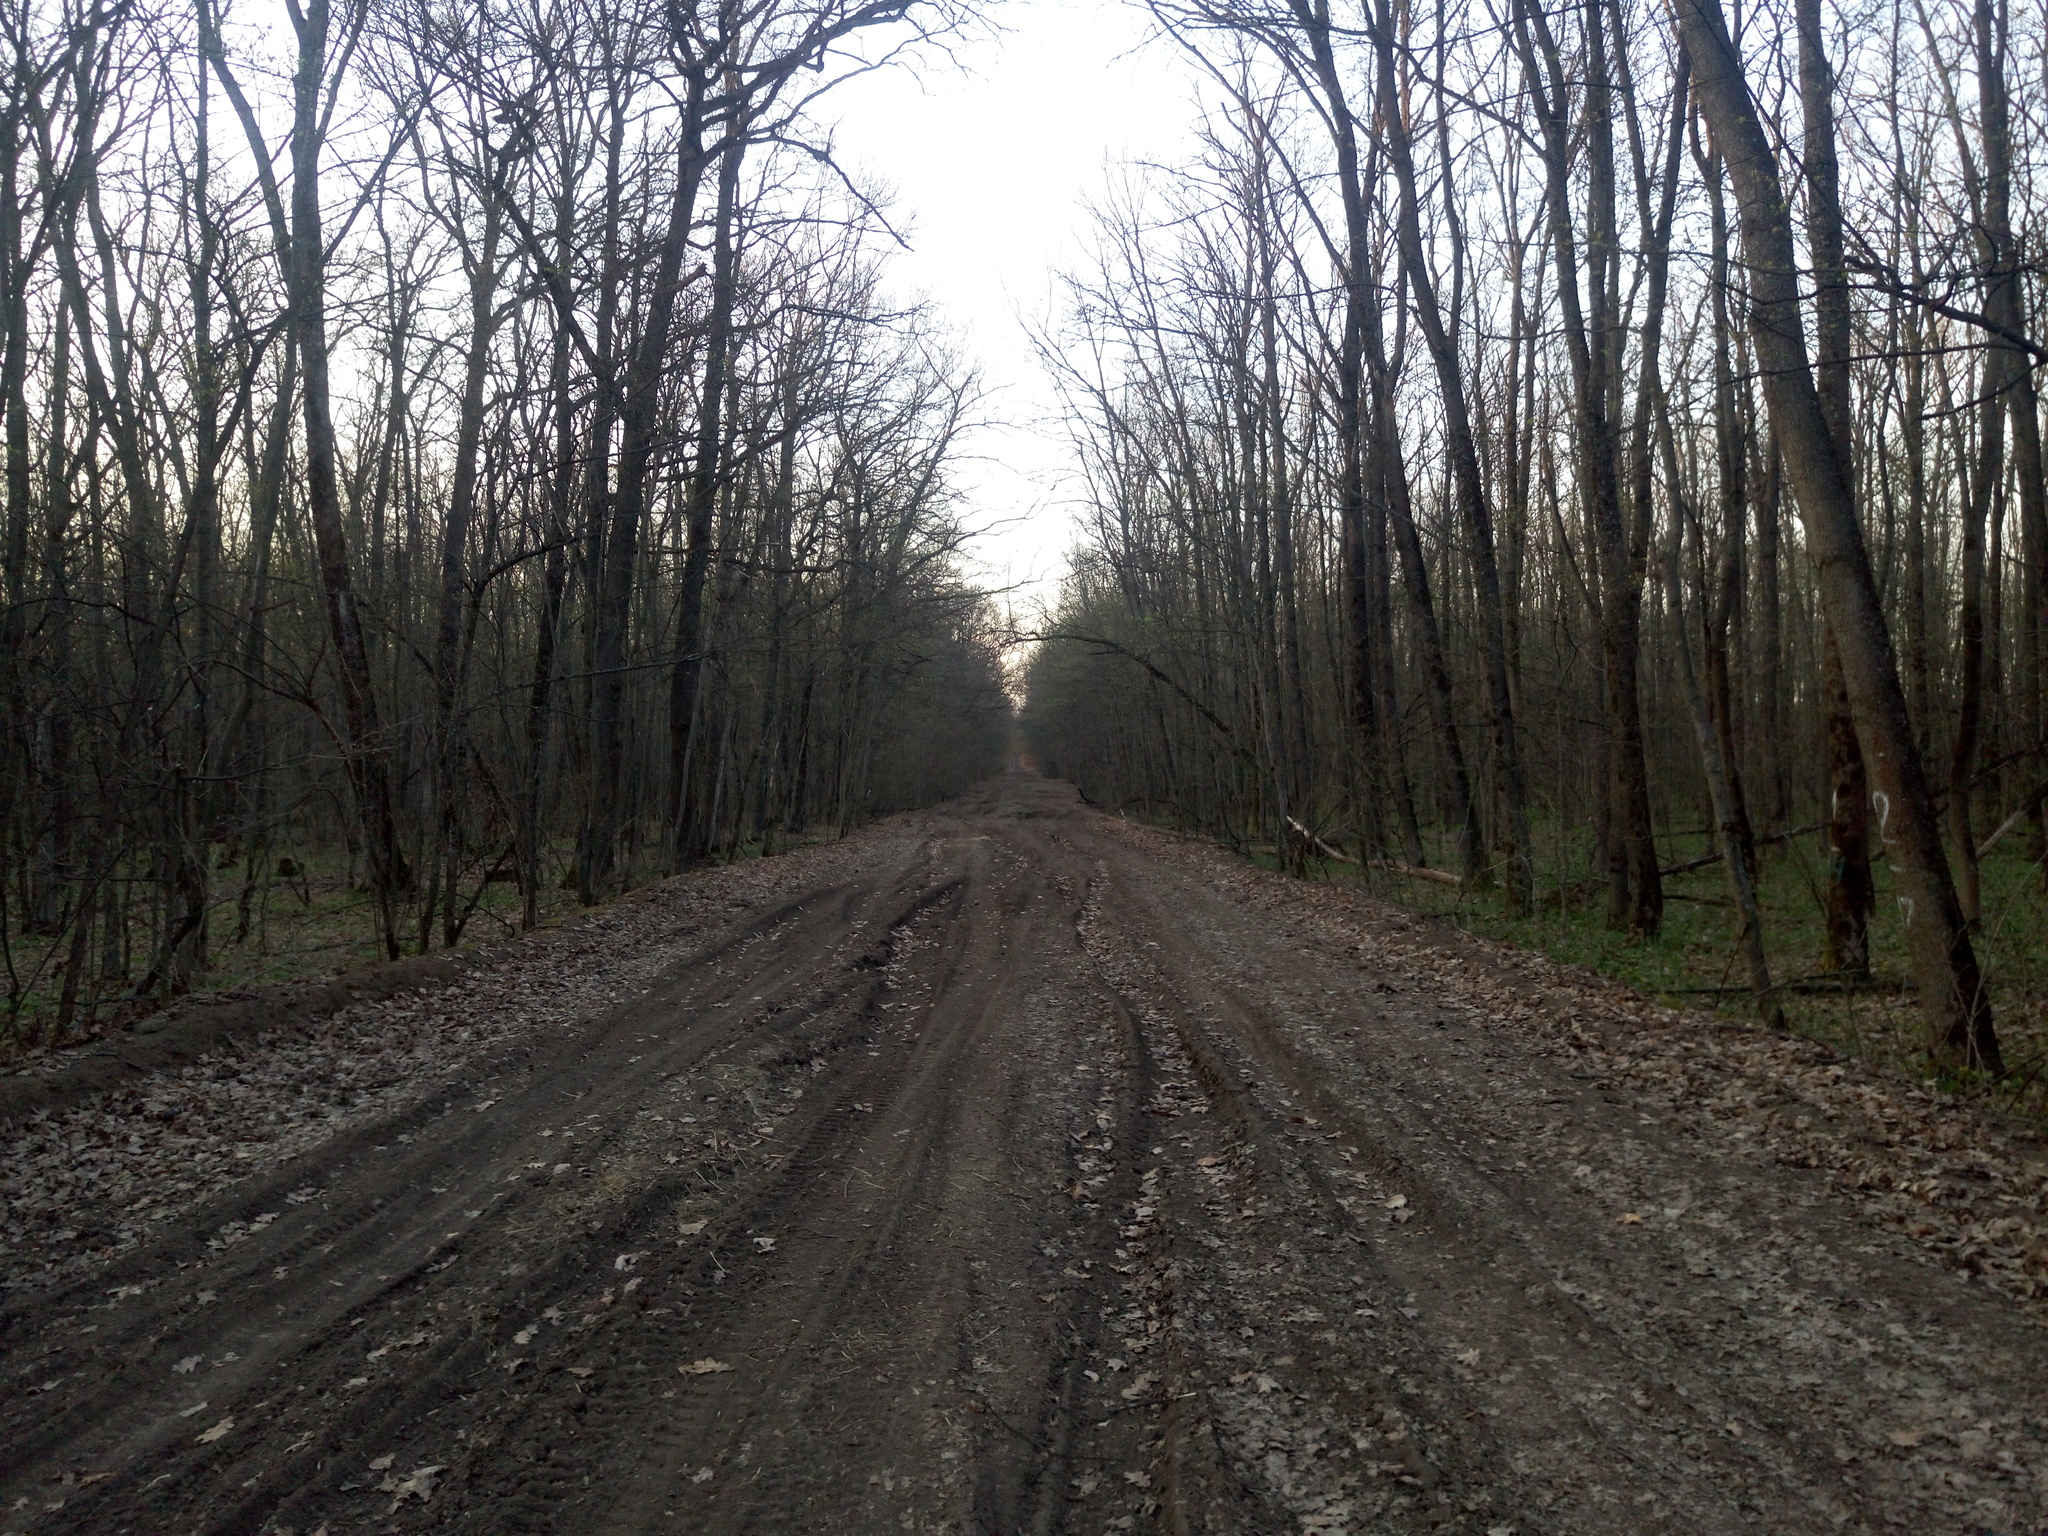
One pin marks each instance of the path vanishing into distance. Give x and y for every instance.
(1005, 1169)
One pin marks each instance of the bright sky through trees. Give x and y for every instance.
(994, 164)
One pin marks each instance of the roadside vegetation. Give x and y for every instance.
(1582, 472)
(1695, 959)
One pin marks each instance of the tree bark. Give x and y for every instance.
(639, 441)
(1852, 892)
(688, 829)
(1953, 999)
(1637, 895)
(1513, 834)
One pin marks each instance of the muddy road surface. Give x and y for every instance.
(1024, 1177)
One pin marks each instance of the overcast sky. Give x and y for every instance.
(993, 164)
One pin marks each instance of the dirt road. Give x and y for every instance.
(1022, 1178)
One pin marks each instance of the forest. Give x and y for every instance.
(582, 957)
(461, 460)
(1580, 468)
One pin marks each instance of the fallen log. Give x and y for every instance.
(1417, 872)
(1393, 866)
(1714, 858)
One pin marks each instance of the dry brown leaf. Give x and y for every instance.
(416, 1484)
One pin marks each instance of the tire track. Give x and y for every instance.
(1014, 1182)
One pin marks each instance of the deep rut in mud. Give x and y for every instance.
(1024, 1181)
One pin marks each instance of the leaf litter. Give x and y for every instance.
(98, 1178)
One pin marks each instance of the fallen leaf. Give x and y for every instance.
(187, 1413)
(701, 1475)
(581, 1370)
(187, 1366)
(417, 1484)
(410, 1341)
(764, 1244)
(218, 1431)
(383, 1462)
(706, 1367)
(1396, 1202)
(1631, 1219)
(1138, 1479)
(691, 1228)
(1468, 1357)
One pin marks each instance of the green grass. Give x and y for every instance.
(307, 925)
(1695, 955)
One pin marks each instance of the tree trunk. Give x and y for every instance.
(1737, 854)
(1512, 835)
(1953, 999)
(1852, 893)
(1637, 895)
(2010, 386)
(638, 443)
(688, 828)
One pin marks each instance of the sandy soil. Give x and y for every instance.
(1008, 1170)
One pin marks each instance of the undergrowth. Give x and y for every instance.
(306, 918)
(1694, 961)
